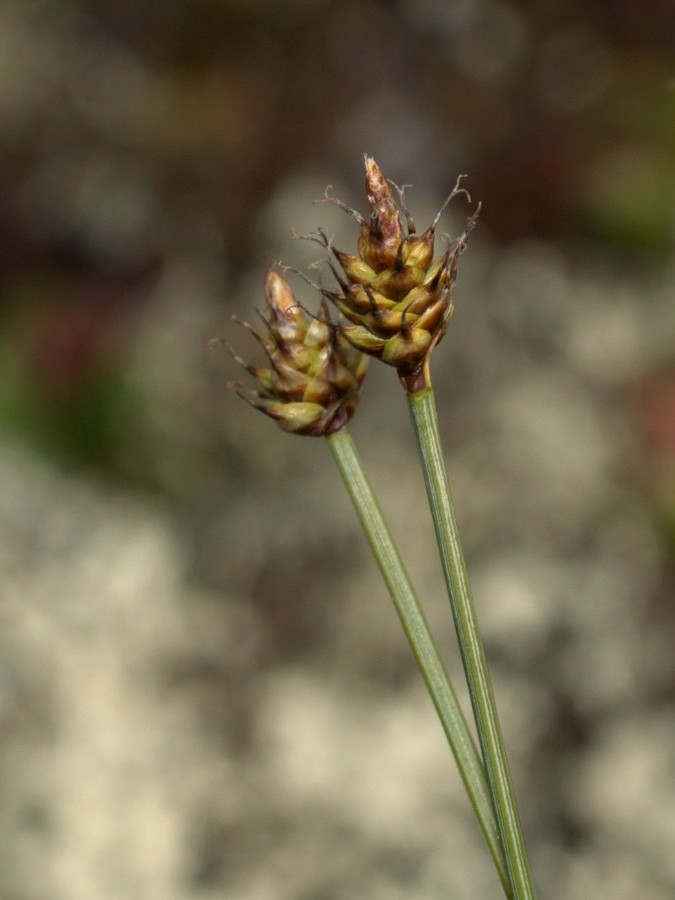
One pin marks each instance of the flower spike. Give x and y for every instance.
(312, 381)
(399, 299)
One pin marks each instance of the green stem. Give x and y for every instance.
(425, 420)
(421, 641)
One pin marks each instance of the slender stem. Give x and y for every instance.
(421, 641)
(425, 420)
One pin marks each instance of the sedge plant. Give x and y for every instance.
(397, 300)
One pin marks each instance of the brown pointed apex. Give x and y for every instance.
(278, 293)
(379, 244)
(313, 375)
(282, 305)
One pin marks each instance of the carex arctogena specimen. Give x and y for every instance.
(311, 385)
(395, 296)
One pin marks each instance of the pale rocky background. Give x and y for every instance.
(204, 689)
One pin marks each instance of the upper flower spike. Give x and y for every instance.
(311, 385)
(397, 299)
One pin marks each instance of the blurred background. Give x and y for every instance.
(204, 690)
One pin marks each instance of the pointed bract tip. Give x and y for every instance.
(376, 183)
(279, 293)
(379, 243)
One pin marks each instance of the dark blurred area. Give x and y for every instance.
(204, 692)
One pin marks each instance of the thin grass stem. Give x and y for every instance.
(422, 643)
(425, 420)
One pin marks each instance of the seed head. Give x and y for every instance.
(312, 380)
(396, 298)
